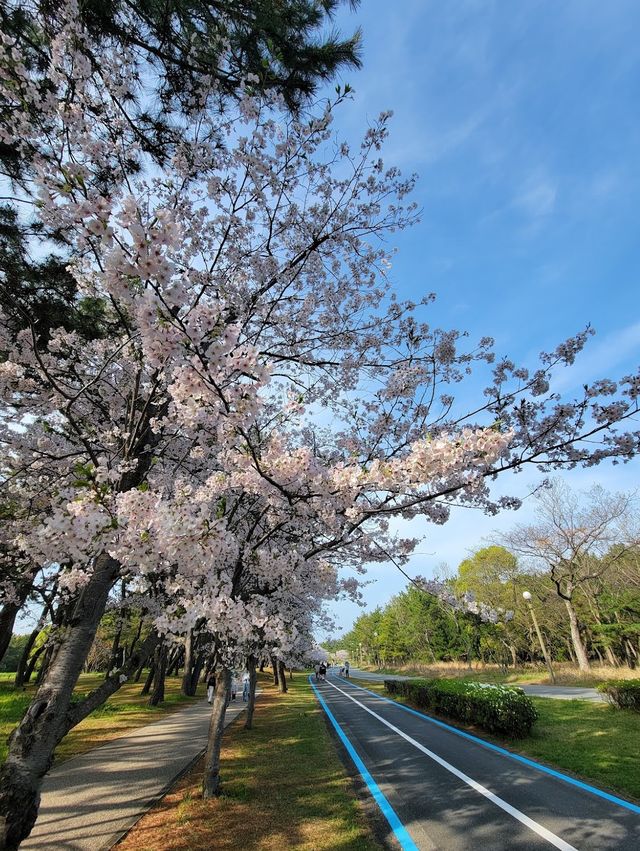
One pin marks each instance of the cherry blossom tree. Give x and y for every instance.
(244, 295)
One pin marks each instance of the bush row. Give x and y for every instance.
(625, 694)
(497, 709)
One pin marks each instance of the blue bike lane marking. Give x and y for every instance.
(399, 830)
(593, 790)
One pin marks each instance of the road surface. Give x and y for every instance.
(91, 800)
(558, 692)
(448, 790)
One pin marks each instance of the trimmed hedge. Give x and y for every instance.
(625, 694)
(497, 709)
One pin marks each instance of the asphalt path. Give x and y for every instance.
(90, 801)
(452, 792)
(557, 692)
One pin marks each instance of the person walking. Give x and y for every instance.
(346, 669)
(323, 672)
(246, 682)
(317, 670)
(211, 685)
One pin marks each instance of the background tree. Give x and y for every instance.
(577, 540)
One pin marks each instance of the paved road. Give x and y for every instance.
(89, 801)
(558, 692)
(451, 792)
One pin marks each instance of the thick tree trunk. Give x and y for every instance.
(7, 620)
(211, 779)
(251, 705)
(188, 664)
(282, 677)
(274, 666)
(576, 638)
(32, 743)
(161, 670)
(24, 659)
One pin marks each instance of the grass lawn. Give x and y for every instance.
(122, 712)
(284, 787)
(594, 741)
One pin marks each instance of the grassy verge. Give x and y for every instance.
(594, 741)
(124, 710)
(566, 674)
(283, 787)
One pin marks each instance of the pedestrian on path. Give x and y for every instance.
(317, 670)
(211, 685)
(346, 669)
(246, 681)
(323, 672)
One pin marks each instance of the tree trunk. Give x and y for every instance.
(211, 779)
(33, 661)
(24, 659)
(514, 657)
(46, 721)
(195, 674)
(138, 673)
(251, 705)
(261, 665)
(146, 688)
(576, 638)
(161, 670)
(274, 665)
(115, 646)
(186, 687)
(7, 620)
(282, 677)
(136, 637)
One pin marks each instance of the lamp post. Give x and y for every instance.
(547, 658)
(375, 649)
(360, 653)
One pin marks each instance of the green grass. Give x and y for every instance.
(124, 710)
(594, 741)
(283, 786)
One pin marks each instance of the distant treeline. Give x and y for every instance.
(417, 626)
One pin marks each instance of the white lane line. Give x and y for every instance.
(521, 817)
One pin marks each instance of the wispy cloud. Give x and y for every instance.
(537, 197)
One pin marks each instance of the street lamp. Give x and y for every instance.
(547, 658)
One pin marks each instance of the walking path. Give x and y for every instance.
(89, 801)
(558, 692)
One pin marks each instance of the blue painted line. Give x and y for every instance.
(399, 830)
(593, 790)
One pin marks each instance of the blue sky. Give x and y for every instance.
(522, 120)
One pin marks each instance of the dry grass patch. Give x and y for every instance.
(566, 673)
(284, 787)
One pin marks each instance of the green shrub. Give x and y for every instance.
(625, 694)
(495, 708)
